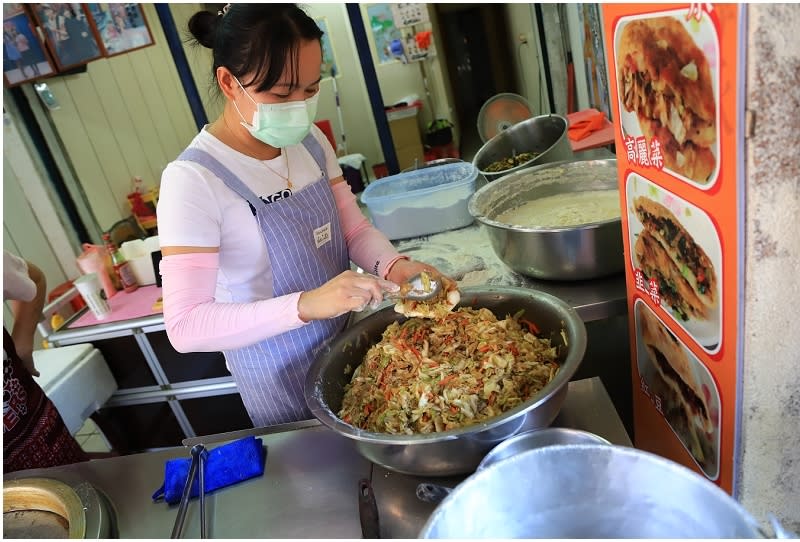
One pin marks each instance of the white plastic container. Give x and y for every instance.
(77, 379)
(423, 201)
(138, 255)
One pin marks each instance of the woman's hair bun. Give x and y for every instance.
(203, 27)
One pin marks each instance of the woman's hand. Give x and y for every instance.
(347, 292)
(402, 270)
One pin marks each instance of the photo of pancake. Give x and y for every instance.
(676, 244)
(668, 90)
(681, 388)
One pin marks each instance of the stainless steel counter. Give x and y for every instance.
(309, 488)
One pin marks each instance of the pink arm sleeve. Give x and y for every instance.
(368, 247)
(195, 322)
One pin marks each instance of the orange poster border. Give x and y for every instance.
(720, 203)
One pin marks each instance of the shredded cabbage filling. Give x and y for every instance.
(432, 375)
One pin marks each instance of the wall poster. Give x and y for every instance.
(384, 31)
(675, 95)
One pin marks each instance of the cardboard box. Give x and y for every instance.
(407, 141)
(407, 157)
(405, 132)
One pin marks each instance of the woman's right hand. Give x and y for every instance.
(349, 291)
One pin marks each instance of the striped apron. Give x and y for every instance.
(306, 248)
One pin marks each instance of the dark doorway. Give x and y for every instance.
(479, 62)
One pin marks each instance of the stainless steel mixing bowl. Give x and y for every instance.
(545, 135)
(456, 451)
(571, 253)
(588, 491)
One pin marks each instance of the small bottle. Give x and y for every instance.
(121, 266)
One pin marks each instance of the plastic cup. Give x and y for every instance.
(93, 260)
(92, 292)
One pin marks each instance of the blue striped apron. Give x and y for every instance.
(306, 248)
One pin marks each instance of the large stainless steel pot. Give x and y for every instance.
(521, 442)
(588, 491)
(545, 135)
(460, 450)
(573, 253)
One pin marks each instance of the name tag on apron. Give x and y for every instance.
(322, 235)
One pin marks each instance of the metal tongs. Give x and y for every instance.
(199, 454)
(420, 287)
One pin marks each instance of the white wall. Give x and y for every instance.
(770, 440)
(125, 116)
(359, 127)
(396, 80)
(526, 56)
(31, 225)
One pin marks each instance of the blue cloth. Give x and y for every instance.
(224, 466)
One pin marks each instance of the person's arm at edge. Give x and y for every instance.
(27, 315)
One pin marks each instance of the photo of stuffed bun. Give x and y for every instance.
(666, 251)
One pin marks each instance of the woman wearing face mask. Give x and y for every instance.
(256, 224)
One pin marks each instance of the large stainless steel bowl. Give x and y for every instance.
(545, 134)
(460, 450)
(573, 253)
(588, 491)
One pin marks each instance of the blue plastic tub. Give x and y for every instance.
(423, 201)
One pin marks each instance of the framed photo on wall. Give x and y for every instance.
(24, 54)
(68, 33)
(122, 27)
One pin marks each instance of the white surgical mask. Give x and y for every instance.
(282, 124)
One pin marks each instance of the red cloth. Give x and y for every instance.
(327, 129)
(585, 123)
(423, 39)
(34, 435)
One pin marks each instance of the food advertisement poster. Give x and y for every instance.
(675, 94)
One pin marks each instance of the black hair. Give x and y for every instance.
(259, 39)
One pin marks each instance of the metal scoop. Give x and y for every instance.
(198, 452)
(420, 287)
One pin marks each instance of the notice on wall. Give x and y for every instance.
(675, 94)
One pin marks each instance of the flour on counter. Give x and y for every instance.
(465, 255)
